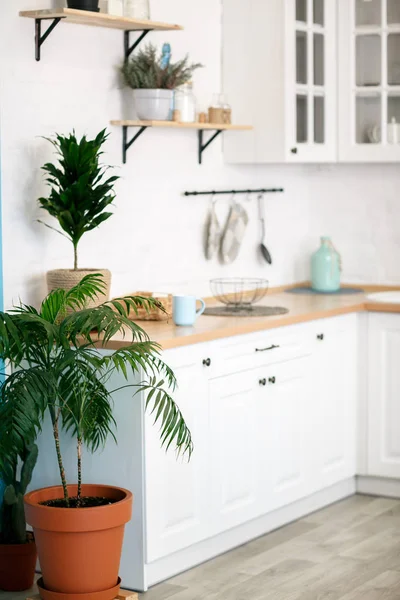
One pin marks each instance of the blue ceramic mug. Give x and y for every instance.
(184, 310)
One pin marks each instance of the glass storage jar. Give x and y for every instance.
(137, 9)
(185, 103)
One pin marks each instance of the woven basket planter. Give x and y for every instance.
(69, 278)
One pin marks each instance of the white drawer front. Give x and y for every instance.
(263, 348)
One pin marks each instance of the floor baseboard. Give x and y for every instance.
(378, 486)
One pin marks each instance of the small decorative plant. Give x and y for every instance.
(80, 191)
(12, 521)
(149, 70)
(59, 369)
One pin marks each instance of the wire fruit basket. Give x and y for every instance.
(239, 292)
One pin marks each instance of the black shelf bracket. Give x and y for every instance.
(127, 144)
(128, 48)
(203, 146)
(39, 38)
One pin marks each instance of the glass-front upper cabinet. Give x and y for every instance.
(279, 73)
(311, 80)
(369, 80)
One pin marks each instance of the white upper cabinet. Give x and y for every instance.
(369, 80)
(279, 72)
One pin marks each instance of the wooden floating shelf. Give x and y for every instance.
(94, 19)
(217, 128)
(178, 125)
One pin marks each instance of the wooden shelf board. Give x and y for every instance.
(175, 125)
(84, 17)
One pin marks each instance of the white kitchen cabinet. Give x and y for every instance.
(273, 421)
(384, 395)
(286, 450)
(369, 80)
(335, 384)
(279, 71)
(176, 500)
(264, 437)
(236, 479)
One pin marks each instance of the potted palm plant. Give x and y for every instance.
(62, 371)
(80, 196)
(153, 78)
(17, 546)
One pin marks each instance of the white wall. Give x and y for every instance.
(154, 241)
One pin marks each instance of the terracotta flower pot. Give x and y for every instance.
(79, 548)
(17, 566)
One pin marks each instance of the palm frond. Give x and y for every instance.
(173, 428)
(86, 405)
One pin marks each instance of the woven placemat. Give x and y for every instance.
(309, 290)
(254, 311)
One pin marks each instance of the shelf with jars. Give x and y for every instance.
(199, 127)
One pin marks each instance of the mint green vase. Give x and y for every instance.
(325, 267)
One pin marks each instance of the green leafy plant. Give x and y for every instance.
(58, 367)
(12, 514)
(146, 70)
(80, 191)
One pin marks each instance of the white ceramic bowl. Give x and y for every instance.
(153, 105)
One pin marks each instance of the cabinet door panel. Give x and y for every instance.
(335, 390)
(175, 488)
(310, 94)
(384, 396)
(290, 59)
(233, 408)
(286, 408)
(369, 99)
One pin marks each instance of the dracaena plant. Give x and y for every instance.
(59, 368)
(80, 191)
(147, 70)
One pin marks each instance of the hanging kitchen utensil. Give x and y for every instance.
(234, 232)
(263, 248)
(213, 231)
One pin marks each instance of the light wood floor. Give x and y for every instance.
(348, 551)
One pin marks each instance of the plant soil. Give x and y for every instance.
(85, 502)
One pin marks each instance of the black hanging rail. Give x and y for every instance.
(218, 192)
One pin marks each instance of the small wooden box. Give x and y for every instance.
(154, 314)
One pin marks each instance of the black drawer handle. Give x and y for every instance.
(263, 382)
(207, 362)
(272, 380)
(265, 349)
(320, 337)
(293, 150)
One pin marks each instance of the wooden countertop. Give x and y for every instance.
(302, 308)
